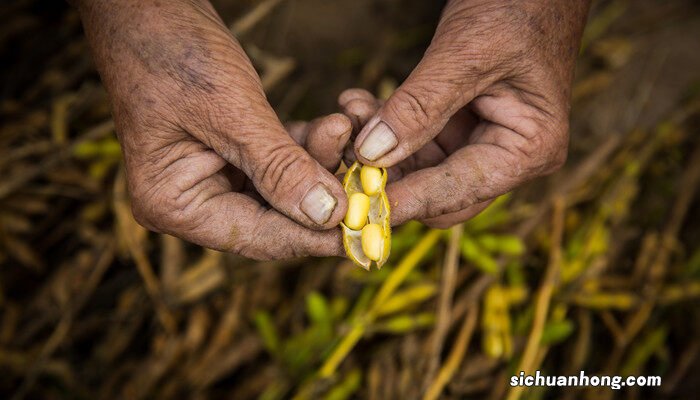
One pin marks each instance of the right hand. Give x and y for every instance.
(360, 106)
(497, 75)
(203, 149)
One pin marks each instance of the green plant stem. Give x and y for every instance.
(407, 264)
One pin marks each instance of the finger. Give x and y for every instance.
(359, 105)
(293, 182)
(327, 138)
(453, 136)
(442, 83)
(324, 138)
(351, 94)
(498, 161)
(411, 117)
(429, 155)
(349, 155)
(195, 203)
(298, 131)
(241, 226)
(282, 172)
(233, 222)
(457, 131)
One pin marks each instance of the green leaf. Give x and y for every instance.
(275, 391)
(339, 306)
(470, 248)
(110, 148)
(407, 298)
(347, 387)
(557, 331)
(511, 245)
(405, 323)
(405, 237)
(318, 310)
(486, 263)
(488, 242)
(515, 274)
(268, 332)
(644, 349)
(86, 150)
(505, 244)
(362, 302)
(494, 215)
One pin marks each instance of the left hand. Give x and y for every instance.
(206, 157)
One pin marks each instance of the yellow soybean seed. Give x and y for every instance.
(373, 241)
(371, 178)
(495, 323)
(366, 228)
(358, 210)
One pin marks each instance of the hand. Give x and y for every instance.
(495, 81)
(204, 151)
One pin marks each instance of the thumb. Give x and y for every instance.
(281, 171)
(440, 85)
(292, 181)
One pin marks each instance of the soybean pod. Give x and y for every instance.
(366, 227)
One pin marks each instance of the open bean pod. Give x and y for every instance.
(366, 228)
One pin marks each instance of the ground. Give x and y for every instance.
(595, 268)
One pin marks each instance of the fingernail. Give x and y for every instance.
(380, 141)
(318, 204)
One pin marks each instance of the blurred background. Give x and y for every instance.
(596, 268)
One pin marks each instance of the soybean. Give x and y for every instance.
(371, 178)
(366, 228)
(372, 241)
(358, 210)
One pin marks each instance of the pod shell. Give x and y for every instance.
(379, 213)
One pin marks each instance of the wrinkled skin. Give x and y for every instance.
(484, 111)
(205, 154)
(207, 159)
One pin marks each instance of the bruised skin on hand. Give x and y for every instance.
(206, 157)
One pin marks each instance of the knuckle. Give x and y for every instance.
(141, 202)
(547, 150)
(556, 150)
(178, 214)
(412, 105)
(558, 159)
(283, 169)
(163, 209)
(351, 94)
(141, 211)
(534, 151)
